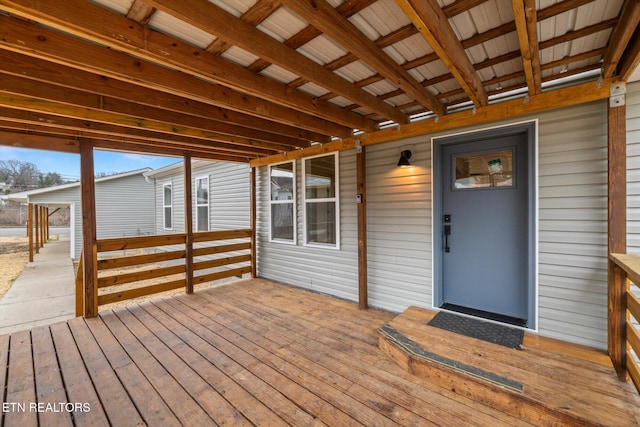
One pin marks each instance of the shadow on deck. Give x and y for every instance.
(249, 353)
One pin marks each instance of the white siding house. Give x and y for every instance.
(124, 205)
(570, 222)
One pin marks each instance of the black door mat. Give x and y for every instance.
(474, 328)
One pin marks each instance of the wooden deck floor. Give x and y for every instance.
(250, 353)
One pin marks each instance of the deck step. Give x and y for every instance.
(535, 384)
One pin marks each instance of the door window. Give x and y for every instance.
(484, 170)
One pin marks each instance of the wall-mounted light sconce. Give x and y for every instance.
(405, 157)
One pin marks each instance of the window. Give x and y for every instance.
(202, 204)
(320, 201)
(282, 202)
(167, 205)
(482, 170)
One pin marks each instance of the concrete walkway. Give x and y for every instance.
(44, 293)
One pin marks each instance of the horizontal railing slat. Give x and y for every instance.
(630, 264)
(128, 261)
(221, 275)
(121, 279)
(211, 236)
(634, 371)
(213, 250)
(140, 292)
(212, 263)
(633, 305)
(139, 242)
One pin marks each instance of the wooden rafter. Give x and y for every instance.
(20, 86)
(126, 36)
(524, 12)
(215, 20)
(627, 24)
(140, 12)
(631, 59)
(257, 13)
(323, 16)
(429, 19)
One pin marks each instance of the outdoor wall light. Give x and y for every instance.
(405, 157)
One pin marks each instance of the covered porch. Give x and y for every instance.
(260, 353)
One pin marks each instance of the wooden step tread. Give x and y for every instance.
(537, 385)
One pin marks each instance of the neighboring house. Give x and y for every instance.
(220, 196)
(563, 260)
(124, 205)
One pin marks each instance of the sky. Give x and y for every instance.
(68, 165)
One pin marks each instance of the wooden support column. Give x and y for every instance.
(617, 233)
(30, 231)
(43, 219)
(252, 224)
(46, 224)
(89, 233)
(36, 226)
(188, 222)
(361, 177)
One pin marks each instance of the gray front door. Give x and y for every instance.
(485, 226)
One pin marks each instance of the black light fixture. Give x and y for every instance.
(405, 156)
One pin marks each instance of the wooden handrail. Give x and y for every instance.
(171, 249)
(629, 265)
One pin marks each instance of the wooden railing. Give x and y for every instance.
(627, 267)
(131, 267)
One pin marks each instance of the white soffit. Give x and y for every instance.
(322, 50)
(278, 73)
(235, 7)
(282, 24)
(356, 71)
(167, 24)
(239, 56)
(120, 6)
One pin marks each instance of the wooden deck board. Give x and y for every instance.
(250, 353)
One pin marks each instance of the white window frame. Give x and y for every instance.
(335, 199)
(165, 206)
(293, 202)
(199, 205)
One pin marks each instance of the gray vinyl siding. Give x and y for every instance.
(326, 270)
(229, 189)
(124, 207)
(572, 227)
(633, 168)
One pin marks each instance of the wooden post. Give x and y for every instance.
(89, 233)
(46, 224)
(252, 221)
(617, 235)
(36, 226)
(361, 177)
(30, 231)
(42, 222)
(188, 222)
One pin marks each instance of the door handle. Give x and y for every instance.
(447, 233)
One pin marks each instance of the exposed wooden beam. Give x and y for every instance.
(524, 12)
(102, 116)
(39, 142)
(631, 58)
(574, 95)
(429, 19)
(35, 135)
(347, 9)
(44, 71)
(627, 25)
(215, 20)
(140, 12)
(257, 13)
(124, 35)
(323, 16)
(21, 86)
